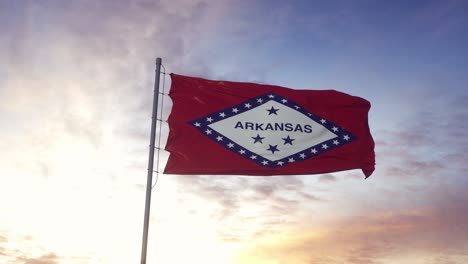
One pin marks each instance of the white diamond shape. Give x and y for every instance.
(243, 127)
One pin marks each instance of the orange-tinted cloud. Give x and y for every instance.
(44, 259)
(408, 235)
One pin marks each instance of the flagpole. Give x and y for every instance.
(149, 180)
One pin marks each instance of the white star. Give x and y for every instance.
(324, 146)
(242, 151)
(280, 163)
(291, 160)
(247, 105)
(230, 145)
(309, 114)
(259, 100)
(323, 121)
(335, 142)
(222, 114)
(219, 138)
(296, 106)
(209, 119)
(253, 157)
(346, 137)
(264, 162)
(302, 155)
(208, 132)
(284, 101)
(235, 110)
(197, 124)
(335, 129)
(313, 150)
(270, 96)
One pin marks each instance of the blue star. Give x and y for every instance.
(273, 148)
(258, 138)
(288, 140)
(272, 110)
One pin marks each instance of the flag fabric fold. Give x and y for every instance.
(235, 128)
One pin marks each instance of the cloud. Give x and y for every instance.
(75, 84)
(50, 258)
(13, 255)
(231, 191)
(327, 178)
(80, 73)
(3, 240)
(275, 201)
(400, 235)
(427, 143)
(83, 72)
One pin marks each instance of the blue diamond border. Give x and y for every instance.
(343, 136)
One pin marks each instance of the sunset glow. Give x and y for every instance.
(76, 83)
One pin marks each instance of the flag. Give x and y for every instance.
(235, 128)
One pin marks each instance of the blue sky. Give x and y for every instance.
(75, 104)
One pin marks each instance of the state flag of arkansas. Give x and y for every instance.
(234, 128)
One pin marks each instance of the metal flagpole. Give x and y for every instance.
(149, 181)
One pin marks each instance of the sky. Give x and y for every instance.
(76, 83)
